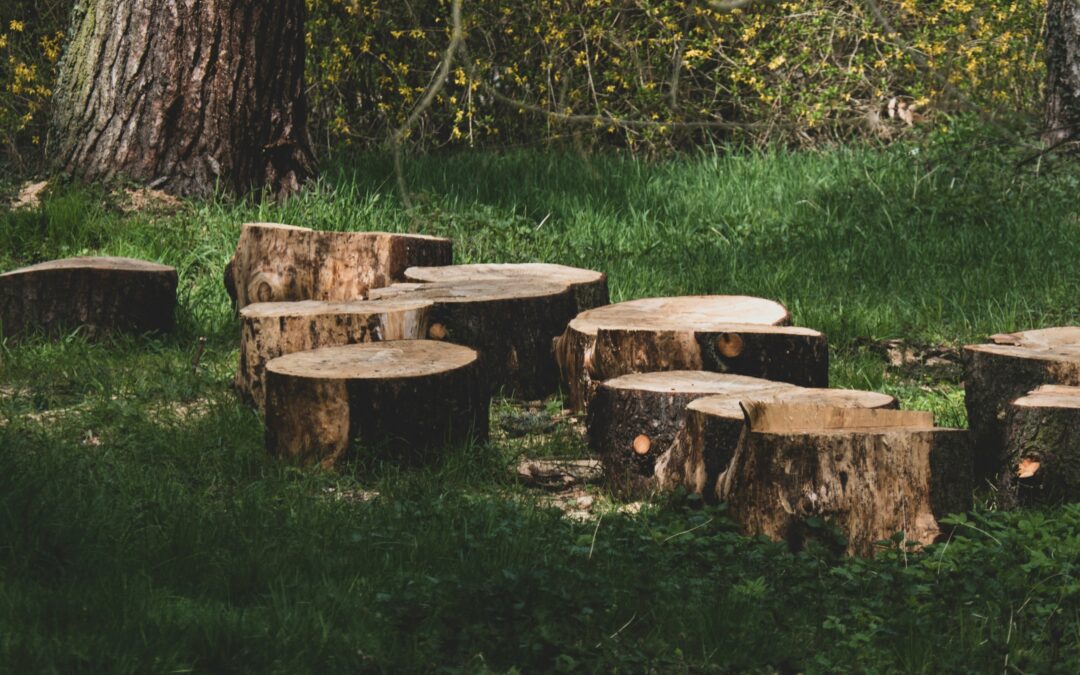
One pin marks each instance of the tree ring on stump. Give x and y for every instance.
(588, 286)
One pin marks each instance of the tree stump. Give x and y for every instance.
(272, 329)
(706, 440)
(1001, 372)
(727, 334)
(283, 263)
(96, 294)
(1043, 446)
(511, 323)
(408, 398)
(589, 287)
(633, 419)
(871, 473)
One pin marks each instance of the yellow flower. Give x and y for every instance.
(16, 26)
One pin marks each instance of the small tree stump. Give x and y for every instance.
(511, 323)
(705, 443)
(633, 419)
(408, 397)
(1043, 446)
(872, 473)
(1001, 372)
(272, 329)
(96, 294)
(283, 263)
(728, 334)
(589, 287)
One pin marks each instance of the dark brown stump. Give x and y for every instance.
(272, 329)
(871, 473)
(407, 398)
(1043, 449)
(589, 287)
(999, 373)
(706, 441)
(284, 263)
(97, 295)
(511, 324)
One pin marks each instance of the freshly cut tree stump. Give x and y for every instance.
(719, 333)
(98, 294)
(871, 473)
(705, 443)
(999, 373)
(283, 263)
(590, 288)
(407, 397)
(1043, 445)
(511, 323)
(633, 419)
(272, 329)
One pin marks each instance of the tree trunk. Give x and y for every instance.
(188, 96)
(1062, 71)
(1043, 449)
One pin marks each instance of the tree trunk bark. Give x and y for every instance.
(190, 96)
(1062, 71)
(1043, 449)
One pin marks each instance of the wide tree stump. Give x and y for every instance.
(719, 333)
(1001, 372)
(633, 419)
(589, 287)
(511, 323)
(272, 329)
(283, 263)
(706, 440)
(97, 294)
(406, 398)
(871, 473)
(1043, 449)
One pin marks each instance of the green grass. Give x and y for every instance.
(143, 529)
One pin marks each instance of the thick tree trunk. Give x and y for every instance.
(189, 96)
(1043, 449)
(1062, 71)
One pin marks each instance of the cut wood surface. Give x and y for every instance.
(96, 294)
(720, 333)
(1042, 449)
(705, 442)
(510, 322)
(633, 419)
(272, 329)
(283, 263)
(406, 398)
(889, 471)
(589, 287)
(1011, 366)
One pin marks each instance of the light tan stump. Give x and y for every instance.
(997, 374)
(284, 263)
(407, 398)
(706, 440)
(272, 329)
(589, 287)
(1042, 449)
(510, 322)
(871, 473)
(96, 294)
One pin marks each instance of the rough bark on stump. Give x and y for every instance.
(272, 329)
(674, 323)
(590, 288)
(285, 263)
(96, 294)
(188, 97)
(511, 324)
(407, 398)
(633, 419)
(871, 473)
(999, 373)
(705, 443)
(1043, 446)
